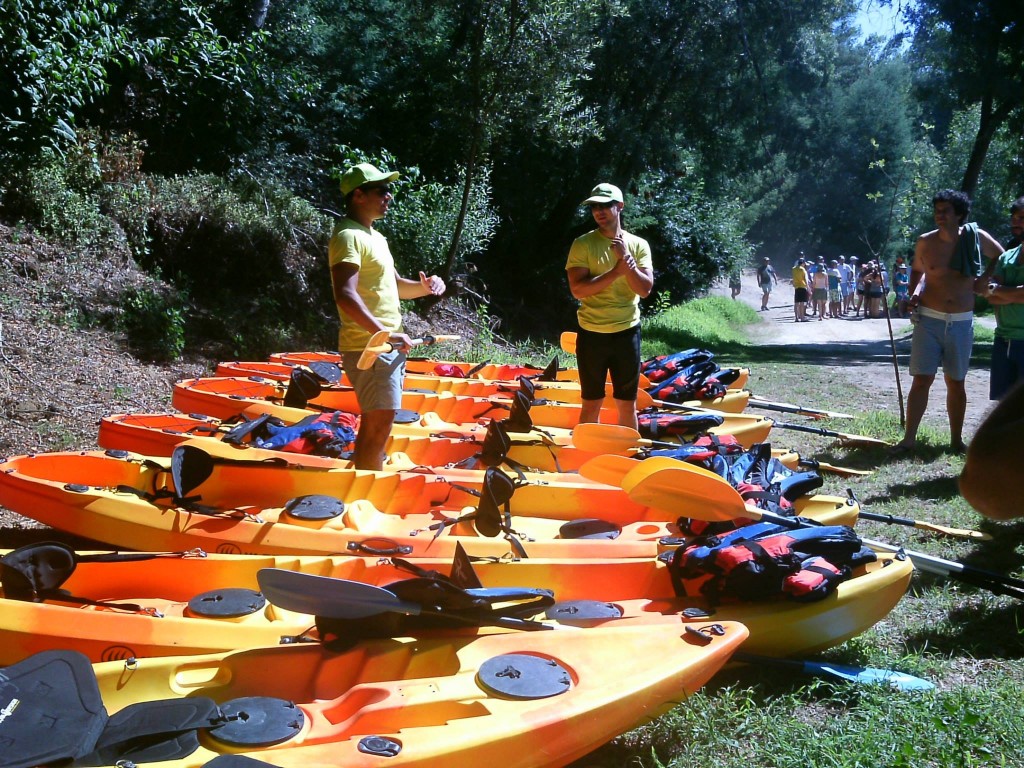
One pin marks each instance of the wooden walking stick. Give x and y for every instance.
(895, 364)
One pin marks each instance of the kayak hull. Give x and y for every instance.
(640, 589)
(430, 702)
(245, 507)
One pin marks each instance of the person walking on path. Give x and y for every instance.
(609, 271)
(819, 288)
(367, 291)
(948, 267)
(800, 281)
(835, 290)
(848, 274)
(766, 277)
(1005, 292)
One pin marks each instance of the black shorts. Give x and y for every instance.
(800, 295)
(598, 354)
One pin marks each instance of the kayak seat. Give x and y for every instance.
(60, 714)
(363, 517)
(152, 731)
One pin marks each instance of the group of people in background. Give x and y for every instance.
(842, 287)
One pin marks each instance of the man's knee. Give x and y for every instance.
(956, 386)
(922, 382)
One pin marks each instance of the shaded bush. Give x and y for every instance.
(154, 322)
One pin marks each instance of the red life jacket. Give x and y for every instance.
(765, 561)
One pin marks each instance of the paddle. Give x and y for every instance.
(844, 437)
(900, 681)
(345, 599)
(379, 344)
(608, 468)
(614, 438)
(664, 486)
(814, 413)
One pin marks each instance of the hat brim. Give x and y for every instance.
(383, 176)
(600, 199)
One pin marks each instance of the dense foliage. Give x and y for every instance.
(747, 126)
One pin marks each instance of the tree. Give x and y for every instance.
(54, 58)
(972, 53)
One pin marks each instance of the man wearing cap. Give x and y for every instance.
(765, 278)
(609, 271)
(367, 290)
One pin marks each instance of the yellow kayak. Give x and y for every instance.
(521, 700)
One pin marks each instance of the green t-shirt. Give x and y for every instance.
(352, 243)
(1010, 317)
(617, 307)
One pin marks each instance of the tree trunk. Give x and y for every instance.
(991, 120)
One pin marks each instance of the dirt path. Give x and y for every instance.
(864, 344)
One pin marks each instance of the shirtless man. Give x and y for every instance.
(942, 298)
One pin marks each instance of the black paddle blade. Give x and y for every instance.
(190, 467)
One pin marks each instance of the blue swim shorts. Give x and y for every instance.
(1007, 366)
(942, 338)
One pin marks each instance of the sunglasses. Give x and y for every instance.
(382, 190)
(601, 206)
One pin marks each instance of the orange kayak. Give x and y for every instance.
(186, 603)
(198, 500)
(734, 401)
(227, 397)
(503, 371)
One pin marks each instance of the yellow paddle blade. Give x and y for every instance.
(691, 494)
(608, 469)
(567, 341)
(643, 400)
(374, 348)
(656, 464)
(605, 438)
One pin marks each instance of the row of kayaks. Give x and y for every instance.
(515, 603)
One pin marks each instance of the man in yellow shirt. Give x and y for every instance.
(800, 279)
(609, 271)
(367, 290)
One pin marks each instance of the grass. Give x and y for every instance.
(969, 642)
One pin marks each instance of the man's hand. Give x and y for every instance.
(401, 341)
(433, 285)
(619, 246)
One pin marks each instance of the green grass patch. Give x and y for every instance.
(714, 323)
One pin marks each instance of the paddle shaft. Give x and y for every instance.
(924, 525)
(814, 413)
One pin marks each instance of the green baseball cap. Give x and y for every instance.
(364, 173)
(604, 193)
